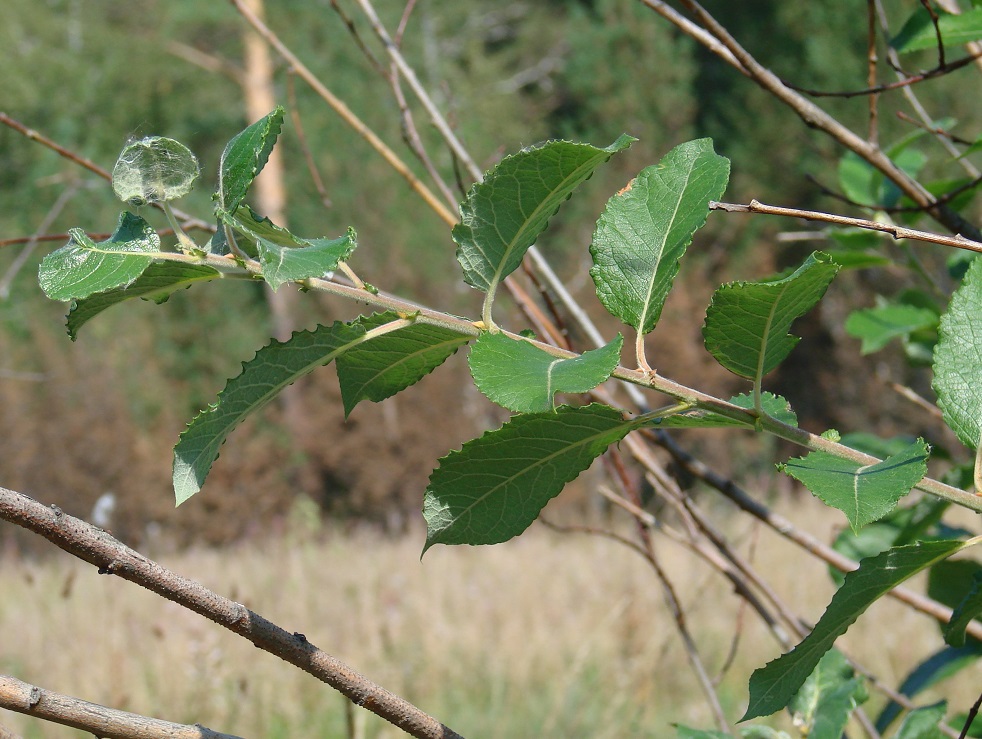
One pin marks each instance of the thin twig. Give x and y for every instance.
(970, 718)
(99, 548)
(47, 705)
(898, 232)
(308, 155)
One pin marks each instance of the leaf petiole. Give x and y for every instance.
(185, 242)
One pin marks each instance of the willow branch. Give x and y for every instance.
(16, 695)
(99, 548)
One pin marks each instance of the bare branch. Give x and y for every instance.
(898, 232)
(101, 549)
(16, 695)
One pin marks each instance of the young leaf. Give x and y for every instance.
(286, 257)
(864, 493)
(919, 31)
(747, 322)
(154, 170)
(504, 215)
(494, 487)
(157, 283)
(878, 326)
(645, 229)
(958, 360)
(274, 367)
(524, 379)
(774, 406)
(923, 723)
(389, 364)
(83, 267)
(822, 706)
(244, 158)
(965, 612)
(772, 686)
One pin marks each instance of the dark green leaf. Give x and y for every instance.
(774, 406)
(822, 706)
(919, 31)
(244, 158)
(83, 267)
(384, 366)
(646, 228)
(772, 686)
(154, 170)
(747, 322)
(274, 367)
(285, 257)
(494, 487)
(864, 493)
(157, 283)
(965, 612)
(504, 215)
(524, 379)
(958, 360)
(878, 326)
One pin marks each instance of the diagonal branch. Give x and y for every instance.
(112, 557)
(16, 695)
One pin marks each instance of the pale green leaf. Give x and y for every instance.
(878, 326)
(504, 215)
(646, 228)
(285, 257)
(923, 723)
(83, 267)
(821, 708)
(390, 363)
(958, 360)
(773, 686)
(774, 406)
(495, 486)
(864, 493)
(747, 322)
(524, 378)
(919, 32)
(244, 158)
(157, 283)
(154, 170)
(274, 367)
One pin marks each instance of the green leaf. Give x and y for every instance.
(157, 283)
(83, 267)
(524, 378)
(274, 367)
(244, 158)
(285, 257)
(494, 487)
(864, 493)
(504, 215)
(958, 360)
(919, 32)
(747, 322)
(822, 706)
(772, 686)
(645, 229)
(154, 170)
(965, 612)
(388, 364)
(878, 326)
(923, 723)
(774, 406)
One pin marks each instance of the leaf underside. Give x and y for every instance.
(524, 378)
(83, 267)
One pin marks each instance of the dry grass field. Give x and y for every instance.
(547, 636)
